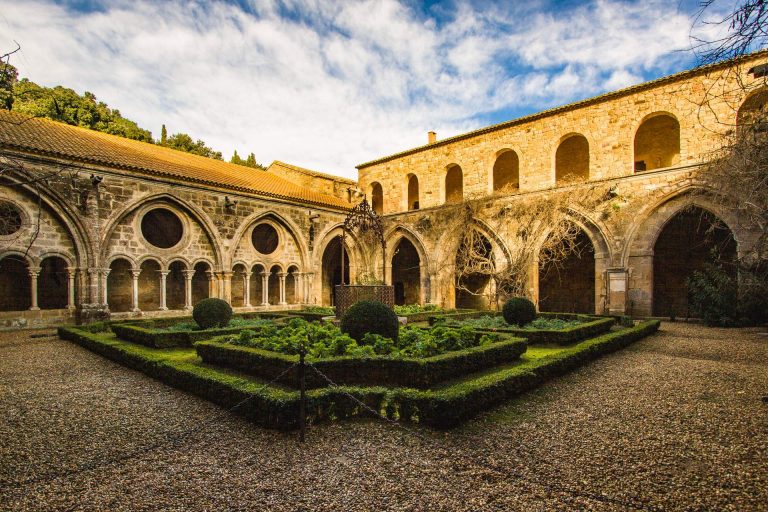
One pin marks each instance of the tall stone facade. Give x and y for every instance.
(95, 226)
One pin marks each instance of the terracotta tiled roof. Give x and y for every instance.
(51, 138)
(310, 172)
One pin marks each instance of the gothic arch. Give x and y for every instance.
(195, 214)
(291, 229)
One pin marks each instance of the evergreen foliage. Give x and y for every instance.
(519, 310)
(211, 312)
(370, 316)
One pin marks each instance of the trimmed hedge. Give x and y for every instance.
(519, 311)
(370, 316)
(565, 336)
(276, 408)
(369, 371)
(156, 338)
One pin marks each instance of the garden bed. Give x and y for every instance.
(276, 407)
(364, 371)
(558, 328)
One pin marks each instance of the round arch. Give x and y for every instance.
(656, 141)
(572, 157)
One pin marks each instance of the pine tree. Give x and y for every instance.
(163, 136)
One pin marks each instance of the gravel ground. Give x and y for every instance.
(675, 422)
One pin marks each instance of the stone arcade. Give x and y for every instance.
(96, 225)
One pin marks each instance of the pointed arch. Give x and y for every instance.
(291, 228)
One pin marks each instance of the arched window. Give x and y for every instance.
(15, 284)
(572, 159)
(506, 172)
(454, 185)
(377, 198)
(413, 192)
(657, 143)
(753, 109)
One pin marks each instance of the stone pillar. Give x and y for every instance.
(211, 284)
(264, 288)
(247, 289)
(298, 286)
(617, 279)
(93, 286)
(103, 275)
(226, 286)
(33, 273)
(282, 276)
(71, 274)
(308, 276)
(163, 292)
(135, 297)
(188, 275)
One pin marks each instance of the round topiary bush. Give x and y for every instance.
(370, 316)
(519, 310)
(209, 313)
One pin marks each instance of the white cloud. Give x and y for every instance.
(342, 82)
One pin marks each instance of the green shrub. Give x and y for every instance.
(370, 316)
(210, 313)
(519, 310)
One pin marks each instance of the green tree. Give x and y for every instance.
(163, 136)
(184, 142)
(250, 161)
(9, 75)
(236, 159)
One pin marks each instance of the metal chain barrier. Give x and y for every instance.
(504, 472)
(171, 439)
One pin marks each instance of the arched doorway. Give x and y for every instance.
(331, 271)
(273, 284)
(413, 192)
(567, 284)
(53, 283)
(292, 285)
(120, 286)
(406, 274)
(15, 284)
(454, 185)
(506, 172)
(686, 244)
(474, 267)
(377, 198)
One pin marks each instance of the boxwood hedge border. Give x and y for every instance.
(278, 408)
(368, 371)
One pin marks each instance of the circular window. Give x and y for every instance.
(264, 238)
(162, 228)
(10, 218)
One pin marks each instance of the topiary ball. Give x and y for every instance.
(519, 311)
(209, 313)
(370, 316)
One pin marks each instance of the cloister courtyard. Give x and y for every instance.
(676, 421)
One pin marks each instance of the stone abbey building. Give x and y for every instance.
(94, 224)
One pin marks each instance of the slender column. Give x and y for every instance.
(226, 286)
(188, 275)
(135, 296)
(163, 276)
(298, 282)
(104, 273)
(33, 273)
(308, 287)
(264, 288)
(282, 275)
(211, 283)
(247, 290)
(71, 287)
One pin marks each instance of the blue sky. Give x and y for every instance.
(328, 84)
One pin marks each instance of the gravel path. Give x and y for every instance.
(675, 422)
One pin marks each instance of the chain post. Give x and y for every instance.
(303, 397)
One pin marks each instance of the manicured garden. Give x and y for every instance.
(439, 375)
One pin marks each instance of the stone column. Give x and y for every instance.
(71, 274)
(93, 286)
(135, 296)
(282, 276)
(188, 275)
(247, 289)
(163, 292)
(264, 288)
(211, 284)
(226, 286)
(308, 276)
(33, 273)
(104, 273)
(298, 286)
